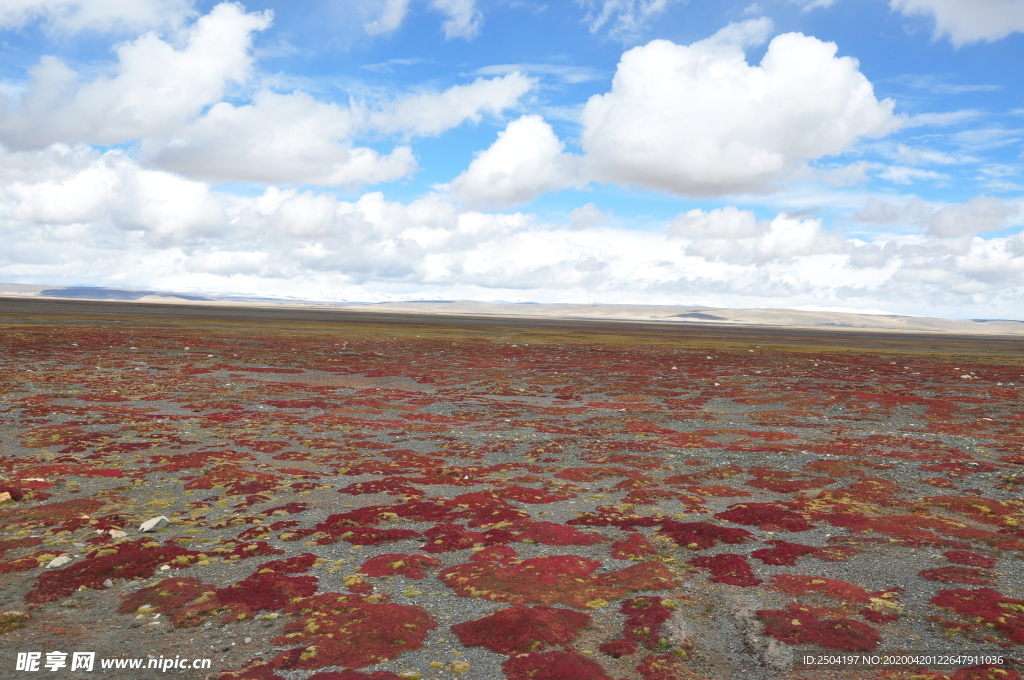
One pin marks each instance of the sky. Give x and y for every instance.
(857, 155)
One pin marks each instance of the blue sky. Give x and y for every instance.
(859, 155)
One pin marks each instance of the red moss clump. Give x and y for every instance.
(618, 648)
(399, 564)
(986, 672)
(351, 631)
(286, 509)
(51, 514)
(662, 667)
(799, 584)
(15, 543)
(644, 616)
(635, 547)
(448, 537)
(252, 671)
(785, 482)
(969, 559)
(522, 629)
(354, 675)
(264, 591)
(767, 516)
(129, 560)
(985, 510)
(551, 533)
(783, 553)
(394, 486)
(592, 474)
(985, 606)
(799, 625)
(698, 535)
(564, 579)
(296, 564)
(523, 494)
(614, 516)
(552, 666)
(27, 562)
(166, 595)
(728, 568)
(957, 574)
(369, 535)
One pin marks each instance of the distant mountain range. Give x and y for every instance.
(691, 314)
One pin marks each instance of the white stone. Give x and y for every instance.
(108, 583)
(154, 524)
(59, 561)
(5, 496)
(116, 533)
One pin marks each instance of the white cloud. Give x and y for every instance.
(901, 174)
(627, 18)
(978, 215)
(564, 72)
(291, 139)
(391, 17)
(432, 113)
(738, 237)
(112, 190)
(295, 139)
(72, 216)
(968, 21)
(157, 88)
(586, 216)
(464, 19)
(170, 100)
(72, 16)
(699, 120)
(526, 160)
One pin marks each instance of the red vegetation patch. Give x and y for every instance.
(635, 547)
(522, 629)
(129, 560)
(15, 543)
(698, 535)
(785, 482)
(399, 564)
(614, 516)
(986, 672)
(957, 574)
(167, 595)
(985, 606)
(767, 516)
(389, 485)
(786, 553)
(564, 579)
(783, 553)
(799, 625)
(728, 568)
(644, 616)
(354, 675)
(551, 533)
(661, 667)
(592, 474)
(352, 631)
(369, 535)
(27, 562)
(798, 584)
(969, 559)
(522, 494)
(552, 666)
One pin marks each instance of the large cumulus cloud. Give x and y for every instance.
(698, 120)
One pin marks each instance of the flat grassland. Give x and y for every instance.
(377, 496)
